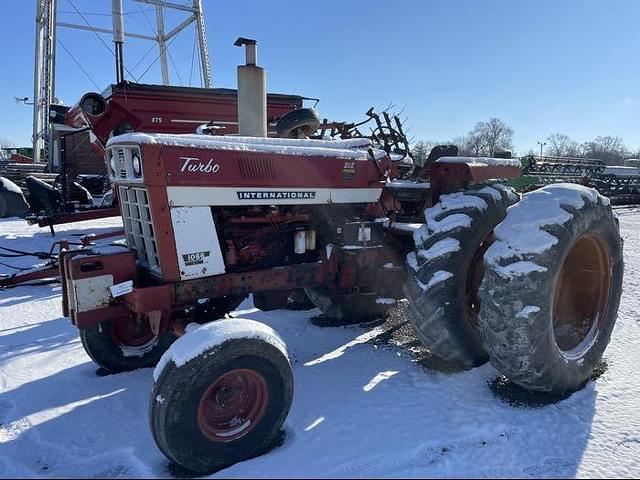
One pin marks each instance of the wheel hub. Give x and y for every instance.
(132, 332)
(581, 296)
(232, 405)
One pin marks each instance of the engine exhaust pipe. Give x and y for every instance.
(252, 92)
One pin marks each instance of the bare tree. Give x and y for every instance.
(496, 135)
(560, 145)
(634, 153)
(486, 138)
(421, 151)
(608, 148)
(471, 144)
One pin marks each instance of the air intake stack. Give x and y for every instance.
(252, 93)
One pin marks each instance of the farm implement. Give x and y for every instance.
(620, 184)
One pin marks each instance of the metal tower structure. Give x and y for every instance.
(45, 54)
(44, 77)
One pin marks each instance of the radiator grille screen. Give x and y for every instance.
(136, 215)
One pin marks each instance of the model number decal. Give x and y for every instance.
(195, 165)
(196, 258)
(349, 171)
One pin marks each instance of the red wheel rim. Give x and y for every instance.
(581, 296)
(132, 332)
(233, 405)
(475, 275)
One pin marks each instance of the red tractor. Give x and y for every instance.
(532, 284)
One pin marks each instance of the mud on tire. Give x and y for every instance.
(446, 268)
(552, 287)
(223, 406)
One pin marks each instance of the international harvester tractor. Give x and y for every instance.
(530, 284)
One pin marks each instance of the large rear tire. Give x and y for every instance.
(225, 405)
(445, 272)
(552, 287)
(124, 345)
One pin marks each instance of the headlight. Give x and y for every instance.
(112, 163)
(137, 166)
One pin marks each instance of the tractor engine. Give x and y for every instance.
(262, 237)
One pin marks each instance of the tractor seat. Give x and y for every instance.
(42, 196)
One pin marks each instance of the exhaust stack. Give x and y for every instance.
(252, 93)
(117, 13)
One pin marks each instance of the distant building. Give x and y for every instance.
(25, 152)
(80, 157)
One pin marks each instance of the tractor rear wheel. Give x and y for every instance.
(226, 403)
(124, 344)
(550, 295)
(348, 308)
(446, 269)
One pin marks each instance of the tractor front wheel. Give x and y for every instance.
(124, 344)
(221, 395)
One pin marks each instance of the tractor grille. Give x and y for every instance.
(136, 215)
(121, 165)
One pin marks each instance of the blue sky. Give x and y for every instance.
(544, 66)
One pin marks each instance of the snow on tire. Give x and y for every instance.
(552, 286)
(446, 268)
(221, 394)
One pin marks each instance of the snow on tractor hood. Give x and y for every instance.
(353, 149)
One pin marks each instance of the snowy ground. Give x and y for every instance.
(365, 404)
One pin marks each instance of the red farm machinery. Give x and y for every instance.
(122, 108)
(531, 284)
